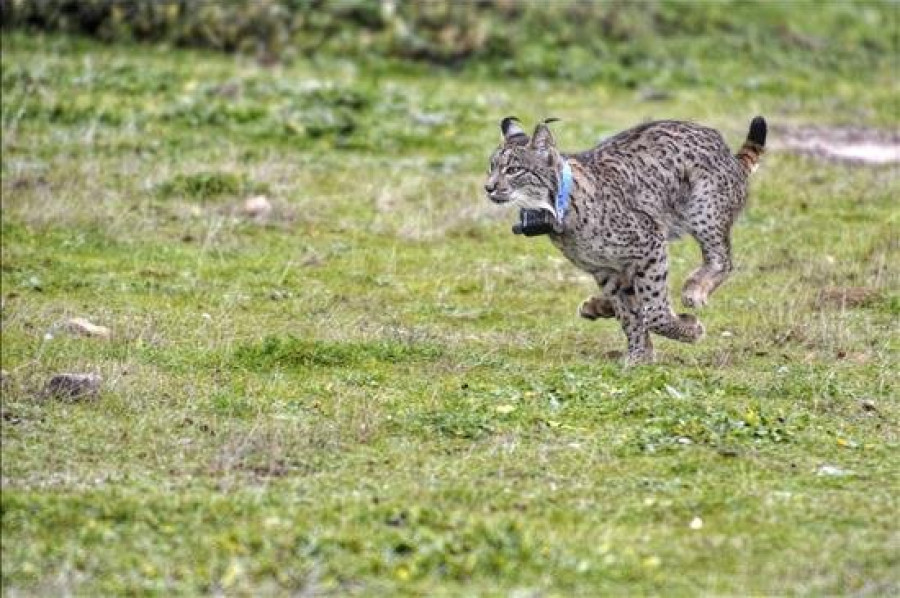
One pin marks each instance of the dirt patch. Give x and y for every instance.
(852, 145)
(846, 297)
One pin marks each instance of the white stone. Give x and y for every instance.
(258, 207)
(85, 327)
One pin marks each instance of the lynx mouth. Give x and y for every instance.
(499, 199)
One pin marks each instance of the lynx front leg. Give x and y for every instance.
(618, 299)
(634, 325)
(620, 293)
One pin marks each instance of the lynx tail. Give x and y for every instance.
(754, 147)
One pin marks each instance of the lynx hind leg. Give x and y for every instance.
(710, 225)
(596, 307)
(709, 276)
(651, 288)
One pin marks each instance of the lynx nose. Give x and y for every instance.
(490, 187)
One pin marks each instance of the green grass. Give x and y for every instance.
(379, 390)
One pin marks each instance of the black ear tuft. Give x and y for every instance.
(542, 139)
(508, 122)
(512, 131)
(552, 119)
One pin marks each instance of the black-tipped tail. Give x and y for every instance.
(754, 147)
(757, 132)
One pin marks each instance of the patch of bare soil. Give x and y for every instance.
(853, 145)
(846, 297)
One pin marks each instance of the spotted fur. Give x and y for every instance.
(632, 194)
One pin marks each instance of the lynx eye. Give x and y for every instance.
(513, 171)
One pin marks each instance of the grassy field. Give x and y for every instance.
(375, 389)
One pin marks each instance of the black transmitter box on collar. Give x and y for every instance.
(533, 223)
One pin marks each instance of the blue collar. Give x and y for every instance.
(562, 194)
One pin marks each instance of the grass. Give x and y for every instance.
(378, 390)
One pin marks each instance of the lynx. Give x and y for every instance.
(612, 209)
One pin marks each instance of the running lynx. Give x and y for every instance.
(612, 209)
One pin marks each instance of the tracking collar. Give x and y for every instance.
(540, 222)
(562, 194)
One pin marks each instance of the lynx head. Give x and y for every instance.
(524, 170)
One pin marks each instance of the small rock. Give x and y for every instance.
(10, 417)
(258, 207)
(674, 392)
(85, 327)
(868, 405)
(73, 386)
(430, 119)
(831, 470)
(312, 260)
(397, 520)
(654, 95)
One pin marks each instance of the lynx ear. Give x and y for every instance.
(512, 132)
(542, 140)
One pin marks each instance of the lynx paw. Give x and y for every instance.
(596, 307)
(636, 358)
(693, 296)
(692, 328)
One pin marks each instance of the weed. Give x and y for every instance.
(208, 185)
